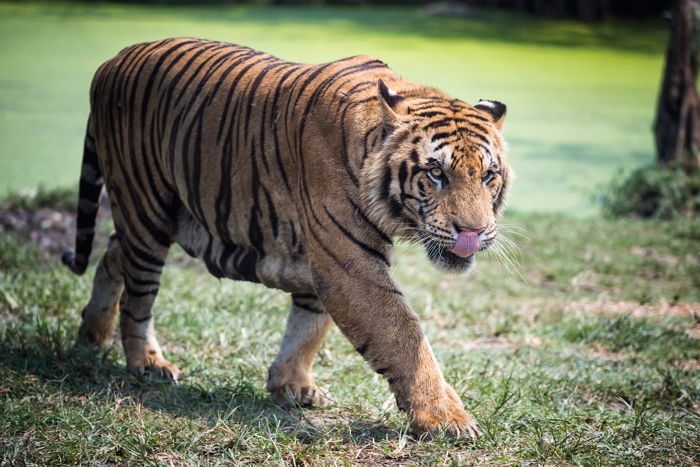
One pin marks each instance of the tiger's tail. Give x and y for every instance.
(91, 184)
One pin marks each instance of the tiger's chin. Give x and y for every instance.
(445, 260)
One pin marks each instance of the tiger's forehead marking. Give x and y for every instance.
(454, 154)
(439, 150)
(471, 153)
(457, 135)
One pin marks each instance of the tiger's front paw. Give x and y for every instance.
(156, 366)
(289, 386)
(162, 369)
(304, 395)
(447, 414)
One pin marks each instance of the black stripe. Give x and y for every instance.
(137, 266)
(174, 48)
(309, 308)
(271, 212)
(364, 217)
(143, 255)
(196, 73)
(443, 135)
(478, 117)
(232, 90)
(430, 114)
(473, 133)
(306, 296)
(369, 249)
(447, 121)
(143, 282)
(395, 208)
(246, 265)
(386, 182)
(293, 231)
(222, 207)
(142, 181)
(133, 318)
(403, 174)
(367, 144)
(136, 294)
(362, 350)
(274, 113)
(132, 336)
(328, 251)
(440, 146)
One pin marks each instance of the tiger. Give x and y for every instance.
(299, 177)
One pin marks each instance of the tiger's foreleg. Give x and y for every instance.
(375, 317)
(290, 380)
(142, 280)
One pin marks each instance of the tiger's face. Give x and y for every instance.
(442, 176)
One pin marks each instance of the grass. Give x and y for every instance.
(591, 357)
(30, 200)
(581, 97)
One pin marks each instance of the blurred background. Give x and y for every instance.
(580, 78)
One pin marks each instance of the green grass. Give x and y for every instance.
(581, 97)
(591, 357)
(61, 199)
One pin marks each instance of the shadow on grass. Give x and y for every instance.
(47, 354)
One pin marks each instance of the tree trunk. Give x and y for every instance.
(677, 126)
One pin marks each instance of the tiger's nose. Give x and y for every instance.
(464, 228)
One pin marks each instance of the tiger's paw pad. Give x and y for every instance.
(307, 395)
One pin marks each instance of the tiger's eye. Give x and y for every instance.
(436, 172)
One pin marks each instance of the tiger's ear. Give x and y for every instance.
(393, 104)
(497, 111)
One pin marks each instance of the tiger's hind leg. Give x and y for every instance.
(108, 285)
(142, 272)
(290, 381)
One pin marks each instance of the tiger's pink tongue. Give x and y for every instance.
(466, 245)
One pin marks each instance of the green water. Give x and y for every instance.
(580, 97)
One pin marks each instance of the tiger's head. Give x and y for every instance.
(440, 174)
